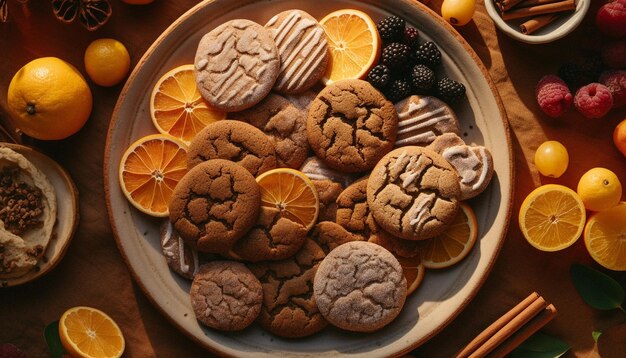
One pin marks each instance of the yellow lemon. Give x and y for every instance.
(605, 237)
(599, 189)
(458, 12)
(107, 62)
(49, 99)
(90, 333)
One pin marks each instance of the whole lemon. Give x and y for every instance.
(49, 99)
(599, 189)
(458, 12)
(107, 62)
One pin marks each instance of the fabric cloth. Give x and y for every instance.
(93, 272)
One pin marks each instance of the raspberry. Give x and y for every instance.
(379, 76)
(428, 54)
(391, 28)
(395, 54)
(611, 19)
(397, 90)
(411, 37)
(614, 55)
(615, 81)
(450, 91)
(553, 96)
(422, 79)
(593, 100)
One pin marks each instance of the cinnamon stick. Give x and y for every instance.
(505, 5)
(529, 3)
(536, 23)
(560, 6)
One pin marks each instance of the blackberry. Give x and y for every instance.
(411, 37)
(428, 54)
(391, 28)
(379, 76)
(397, 90)
(395, 54)
(423, 79)
(570, 73)
(449, 91)
(591, 67)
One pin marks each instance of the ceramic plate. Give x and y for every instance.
(67, 213)
(442, 295)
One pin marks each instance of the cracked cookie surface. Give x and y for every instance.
(284, 123)
(289, 308)
(329, 235)
(273, 238)
(351, 125)
(214, 205)
(327, 192)
(422, 119)
(360, 287)
(236, 141)
(413, 193)
(236, 65)
(225, 295)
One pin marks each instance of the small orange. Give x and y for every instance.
(292, 192)
(454, 244)
(176, 106)
(90, 333)
(414, 270)
(354, 44)
(619, 137)
(605, 237)
(150, 169)
(107, 62)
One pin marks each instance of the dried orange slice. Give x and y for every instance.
(414, 270)
(552, 217)
(150, 169)
(292, 192)
(177, 108)
(454, 244)
(90, 333)
(605, 237)
(354, 44)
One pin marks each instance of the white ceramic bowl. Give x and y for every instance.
(551, 32)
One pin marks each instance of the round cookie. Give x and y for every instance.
(180, 258)
(473, 163)
(422, 119)
(302, 100)
(351, 125)
(236, 141)
(289, 308)
(329, 235)
(327, 192)
(360, 287)
(214, 205)
(236, 65)
(272, 238)
(315, 169)
(302, 48)
(225, 295)
(284, 123)
(413, 193)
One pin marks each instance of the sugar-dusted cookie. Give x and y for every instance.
(236, 64)
(225, 295)
(289, 308)
(237, 141)
(214, 205)
(422, 119)
(351, 125)
(473, 163)
(360, 287)
(285, 123)
(316, 169)
(413, 193)
(327, 193)
(329, 235)
(302, 48)
(180, 257)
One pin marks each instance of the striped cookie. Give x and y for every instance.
(423, 119)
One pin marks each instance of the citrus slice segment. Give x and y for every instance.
(605, 237)
(177, 108)
(292, 192)
(552, 217)
(414, 270)
(454, 244)
(90, 333)
(354, 44)
(150, 169)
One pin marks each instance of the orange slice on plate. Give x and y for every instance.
(605, 237)
(552, 217)
(292, 192)
(89, 332)
(177, 108)
(354, 44)
(454, 244)
(414, 270)
(150, 169)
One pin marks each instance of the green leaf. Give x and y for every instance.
(596, 335)
(51, 333)
(540, 345)
(597, 289)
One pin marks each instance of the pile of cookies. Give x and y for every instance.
(387, 177)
